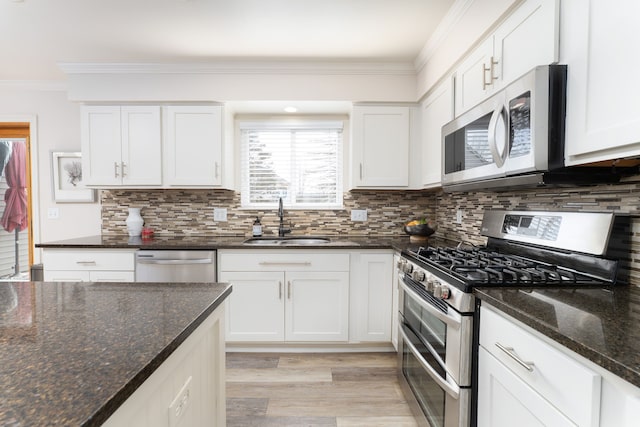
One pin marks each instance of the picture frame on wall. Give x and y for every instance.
(67, 179)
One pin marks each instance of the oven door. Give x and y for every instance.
(430, 347)
(447, 335)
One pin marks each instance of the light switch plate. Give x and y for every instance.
(359, 215)
(459, 214)
(220, 214)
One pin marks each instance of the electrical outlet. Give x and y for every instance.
(180, 404)
(359, 215)
(459, 214)
(220, 214)
(53, 213)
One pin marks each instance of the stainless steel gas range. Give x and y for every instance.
(437, 310)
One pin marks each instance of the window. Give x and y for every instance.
(300, 162)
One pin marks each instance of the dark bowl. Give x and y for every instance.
(421, 229)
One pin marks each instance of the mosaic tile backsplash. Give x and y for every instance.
(190, 212)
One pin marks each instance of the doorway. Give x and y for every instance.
(16, 235)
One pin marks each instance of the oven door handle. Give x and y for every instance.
(451, 321)
(448, 386)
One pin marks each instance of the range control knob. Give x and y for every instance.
(408, 268)
(418, 275)
(437, 289)
(445, 292)
(429, 285)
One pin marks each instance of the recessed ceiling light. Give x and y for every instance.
(290, 109)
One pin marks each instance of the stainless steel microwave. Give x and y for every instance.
(515, 133)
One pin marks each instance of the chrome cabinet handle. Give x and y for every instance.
(86, 262)
(280, 290)
(360, 170)
(269, 263)
(491, 70)
(115, 172)
(124, 174)
(289, 289)
(512, 354)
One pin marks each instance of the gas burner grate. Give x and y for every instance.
(482, 266)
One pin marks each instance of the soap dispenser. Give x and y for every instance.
(257, 228)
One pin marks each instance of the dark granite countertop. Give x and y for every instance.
(197, 242)
(600, 324)
(71, 353)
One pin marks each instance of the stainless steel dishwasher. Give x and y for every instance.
(175, 266)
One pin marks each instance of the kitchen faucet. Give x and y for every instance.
(282, 230)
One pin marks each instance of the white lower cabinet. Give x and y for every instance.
(561, 388)
(504, 398)
(372, 296)
(187, 389)
(89, 265)
(286, 296)
(523, 378)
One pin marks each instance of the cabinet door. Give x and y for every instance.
(599, 44)
(503, 398)
(473, 77)
(371, 289)
(255, 308)
(317, 306)
(101, 145)
(380, 146)
(437, 110)
(141, 145)
(194, 146)
(527, 38)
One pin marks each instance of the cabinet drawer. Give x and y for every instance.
(88, 260)
(562, 380)
(302, 260)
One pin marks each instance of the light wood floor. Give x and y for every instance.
(329, 389)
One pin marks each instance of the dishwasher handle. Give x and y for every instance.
(175, 261)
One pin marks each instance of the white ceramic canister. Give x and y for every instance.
(134, 222)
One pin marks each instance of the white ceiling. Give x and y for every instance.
(36, 35)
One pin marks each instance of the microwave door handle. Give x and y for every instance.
(498, 158)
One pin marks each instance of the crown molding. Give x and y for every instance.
(445, 27)
(244, 67)
(38, 85)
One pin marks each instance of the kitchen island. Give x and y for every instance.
(80, 353)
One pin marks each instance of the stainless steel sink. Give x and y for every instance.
(287, 241)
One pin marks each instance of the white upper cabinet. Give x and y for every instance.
(599, 42)
(527, 38)
(380, 146)
(121, 146)
(437, 110)
(193, 149)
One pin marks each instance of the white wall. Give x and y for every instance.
(155, 85)
(57, 129)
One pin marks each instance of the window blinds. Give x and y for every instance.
(302, 163)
